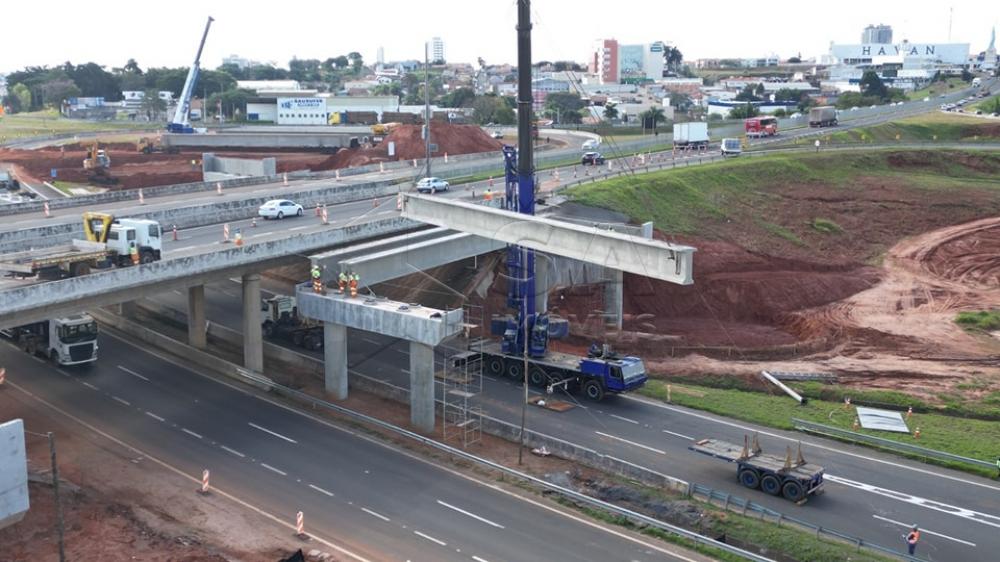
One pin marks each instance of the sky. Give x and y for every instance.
(112, 31)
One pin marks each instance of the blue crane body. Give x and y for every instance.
(180, 122)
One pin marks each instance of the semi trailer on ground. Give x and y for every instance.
(284, 323)
(795, 479)
(70, 340)
(823, 116)
(694, 135)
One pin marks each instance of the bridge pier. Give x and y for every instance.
(335, 359)
(614, 297)
(253, 345)
(197, 333)
(128, 309)
(422, 386)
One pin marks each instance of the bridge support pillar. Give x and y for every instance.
(422, 386)
(197, 332)
(335, 359)
(614, 297)
(128, 309)
(253, 345)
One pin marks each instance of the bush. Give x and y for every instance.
(826, 226)
(984, 320)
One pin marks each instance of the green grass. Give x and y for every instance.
(38, 123)
(983, 320)
(939, 127)
(826, 226)
(988, 105)
(935, 89)
(973, 438)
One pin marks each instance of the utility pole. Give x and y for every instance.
(427, 113)
(60, 528)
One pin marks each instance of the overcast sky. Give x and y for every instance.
(166, 33)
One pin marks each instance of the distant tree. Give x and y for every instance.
(805, 103)
(747, 94)
(872, 85)
(21, 97)
(610, 112)
(341, 61)
(233, 102)
(485, 109)
(652, 116)
(482, 63)
(390, 89)
(672, 57)
(504, 115)
(680, 101)
(760, 90)
(787, 94)
(780, 113)
(54, 92)
(966, 75)
(744, 111)
(131, 67)
(794, 60)
(152, 105)
(565, 106)
(461, 97)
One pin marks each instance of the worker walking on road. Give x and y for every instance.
(488, 196)
(912, 538)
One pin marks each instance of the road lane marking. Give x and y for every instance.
(624, 419)
(681, 435)
(299, 227)
(984, 518)
(923, 530)
(233, 451)
(278, 435)
(272, 469)
(133, 373)
(88, 385)
(154, 416)
(116, 399)
(183, 248)
(640, 445)
(478, 559)
(373, 514)
(430, 538)
(191, 433)
(472, 515)
(321, 490)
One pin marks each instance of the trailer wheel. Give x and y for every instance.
(514, 370)
(793, 491)
(79, 268)
(495, 366)
(770, 484)
(537, 376)
(146, 257)
(54, 356)
(268, 329)
(593, 390)
(749, 478)
(297, 338)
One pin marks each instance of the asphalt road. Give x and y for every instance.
(869, 494)
(373, 500)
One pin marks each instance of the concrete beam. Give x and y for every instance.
(414, 323)
(422, 387)
(335, 359)
(650, 258)
(197, 329)
(421, 256)
(329, 262)
(32, 303)
(253, 342)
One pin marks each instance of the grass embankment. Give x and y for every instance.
(973, 438)
(984, 320)
(39, 123)
(936, 89)
(989, 105)
(932, 127)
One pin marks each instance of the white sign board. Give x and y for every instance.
(13, 473)
(883, 420)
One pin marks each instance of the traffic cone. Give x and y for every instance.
(239, 237)
(317, 209)
(204, 483)
(225, 232)
(445, 157)
(300, 526)
(399, 202)
(45, 207)
(285, 179)
(909, 412)
(856, 424)
(142, 200)
(3, 376)
(414, 162)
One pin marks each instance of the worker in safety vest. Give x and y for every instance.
(317, 275)
(488, 196)
(341, 282)
(354, 284)
(912, 538)
(998, 467)
(133, 253)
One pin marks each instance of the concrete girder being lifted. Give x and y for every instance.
(649, 258)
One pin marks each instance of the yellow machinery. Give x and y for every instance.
(96, 158)
(97, 226)
(148, 145)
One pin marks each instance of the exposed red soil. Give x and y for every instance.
(451, 139)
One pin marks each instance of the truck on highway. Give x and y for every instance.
(8, 182)
(765, 126)
(794, 479)
(109, 243)
(731, 147)
(71, 340)
(690, 135)
(284, 323)
(823, 116)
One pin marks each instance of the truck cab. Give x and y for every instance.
(70, 340)
(146, 235)
(615, 373)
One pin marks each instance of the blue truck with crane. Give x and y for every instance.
(523, 352)
(181, 122)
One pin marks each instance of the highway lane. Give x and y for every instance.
(865, 489)
(376, 501)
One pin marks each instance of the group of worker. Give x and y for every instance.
(348, 279)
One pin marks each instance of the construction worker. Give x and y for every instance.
(912, 538)
(354, 285)
(998, 467)
(317, 277)
(342, 282)
(817, 145)
(133, 253)
(239, 237)
(488, 196)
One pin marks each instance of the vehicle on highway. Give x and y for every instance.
(498, 134)
(731, 147)
(279, 209)
(795, 479)
(590, 144)
(71, 340)
(694, 135)
(9, 183)
(592, 159)
(763, 126)
(284, 323)
(432, 185)
(823, 116)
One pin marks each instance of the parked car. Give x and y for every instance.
(432, 185)
(279, 209)
(592, 159)
(498, 134)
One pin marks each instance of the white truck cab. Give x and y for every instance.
(70, 340)
(145, 235)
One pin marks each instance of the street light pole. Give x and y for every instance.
(60, 528)
(427, 112)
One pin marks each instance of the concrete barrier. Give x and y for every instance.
(215, 168)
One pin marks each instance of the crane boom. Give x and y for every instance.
(180, 123)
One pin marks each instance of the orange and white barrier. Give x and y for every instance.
(225, 232)
(3, 376)
(445, 157)
(317, 209)
(381, 167)
(218, 188)
(142, 200)
(399, 202)
(909, 412)
(175, 233)
(375, 203)
(325, 218)
(45, 207)
(284, 179)
(204, 482)
(300, 525)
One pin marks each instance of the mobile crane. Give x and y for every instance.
(181, 123)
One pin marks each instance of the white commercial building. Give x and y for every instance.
(911, 63)
(301, 111)
(261, 85)
(437, 50)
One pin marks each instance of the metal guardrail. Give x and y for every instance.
(830, 431)
(266, 383)
(736, 503)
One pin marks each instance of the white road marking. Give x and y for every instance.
(233, 451)
(272, 469)
(472, 515)
(922, 530)
(430, 538)
(116, 399)
(133, 373)
(640, 445)
(373, 514)
(299, 227)
(183, 248)
(984, 518)
(681, 435)
(88, 385)
(624, 419)
(817, 445)
(321, 490)
(154, 416)
(278, 435)
(191, 433)
(478, 559)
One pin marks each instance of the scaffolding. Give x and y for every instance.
(462, 382)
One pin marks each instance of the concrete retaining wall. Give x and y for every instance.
(13, 473)
(242, 167)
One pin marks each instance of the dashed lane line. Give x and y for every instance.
(133, 373)
(191, 433)
(274, 433)
(633, 443)
(430, 538)
(470, 514)
(154, 416)
(681, 435)
(374, 514)
(233, 451)
(321, 490)
(922, 530)
(272, 469)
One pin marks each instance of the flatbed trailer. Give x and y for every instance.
(77, 258)
(795, 479)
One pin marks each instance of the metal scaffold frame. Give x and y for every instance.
(462, 381)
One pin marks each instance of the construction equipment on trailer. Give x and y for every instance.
(795, 479)
(148, 145)
(181, 122)
(120, 236)
(823, 116)
(284, 323)
(71, 340)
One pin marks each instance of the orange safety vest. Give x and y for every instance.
(913, 537)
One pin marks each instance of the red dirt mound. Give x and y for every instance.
(450, 139)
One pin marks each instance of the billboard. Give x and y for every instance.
(13, 473)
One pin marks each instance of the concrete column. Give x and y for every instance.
(335, 359)
(542, 284)
(128, 309)
(614, 297)
(253, 345)
(422, 387)
(196, 317)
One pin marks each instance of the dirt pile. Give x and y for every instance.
(450, 139)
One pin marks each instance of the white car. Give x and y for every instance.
(498, 134)
(591, 144)
(432, 185)
(279, 209)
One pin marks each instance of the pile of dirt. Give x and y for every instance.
(450, 139)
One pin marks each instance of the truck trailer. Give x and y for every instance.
(795, 479)
(70, 340)
(823, 116)
(284, 323)
(690, 135)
